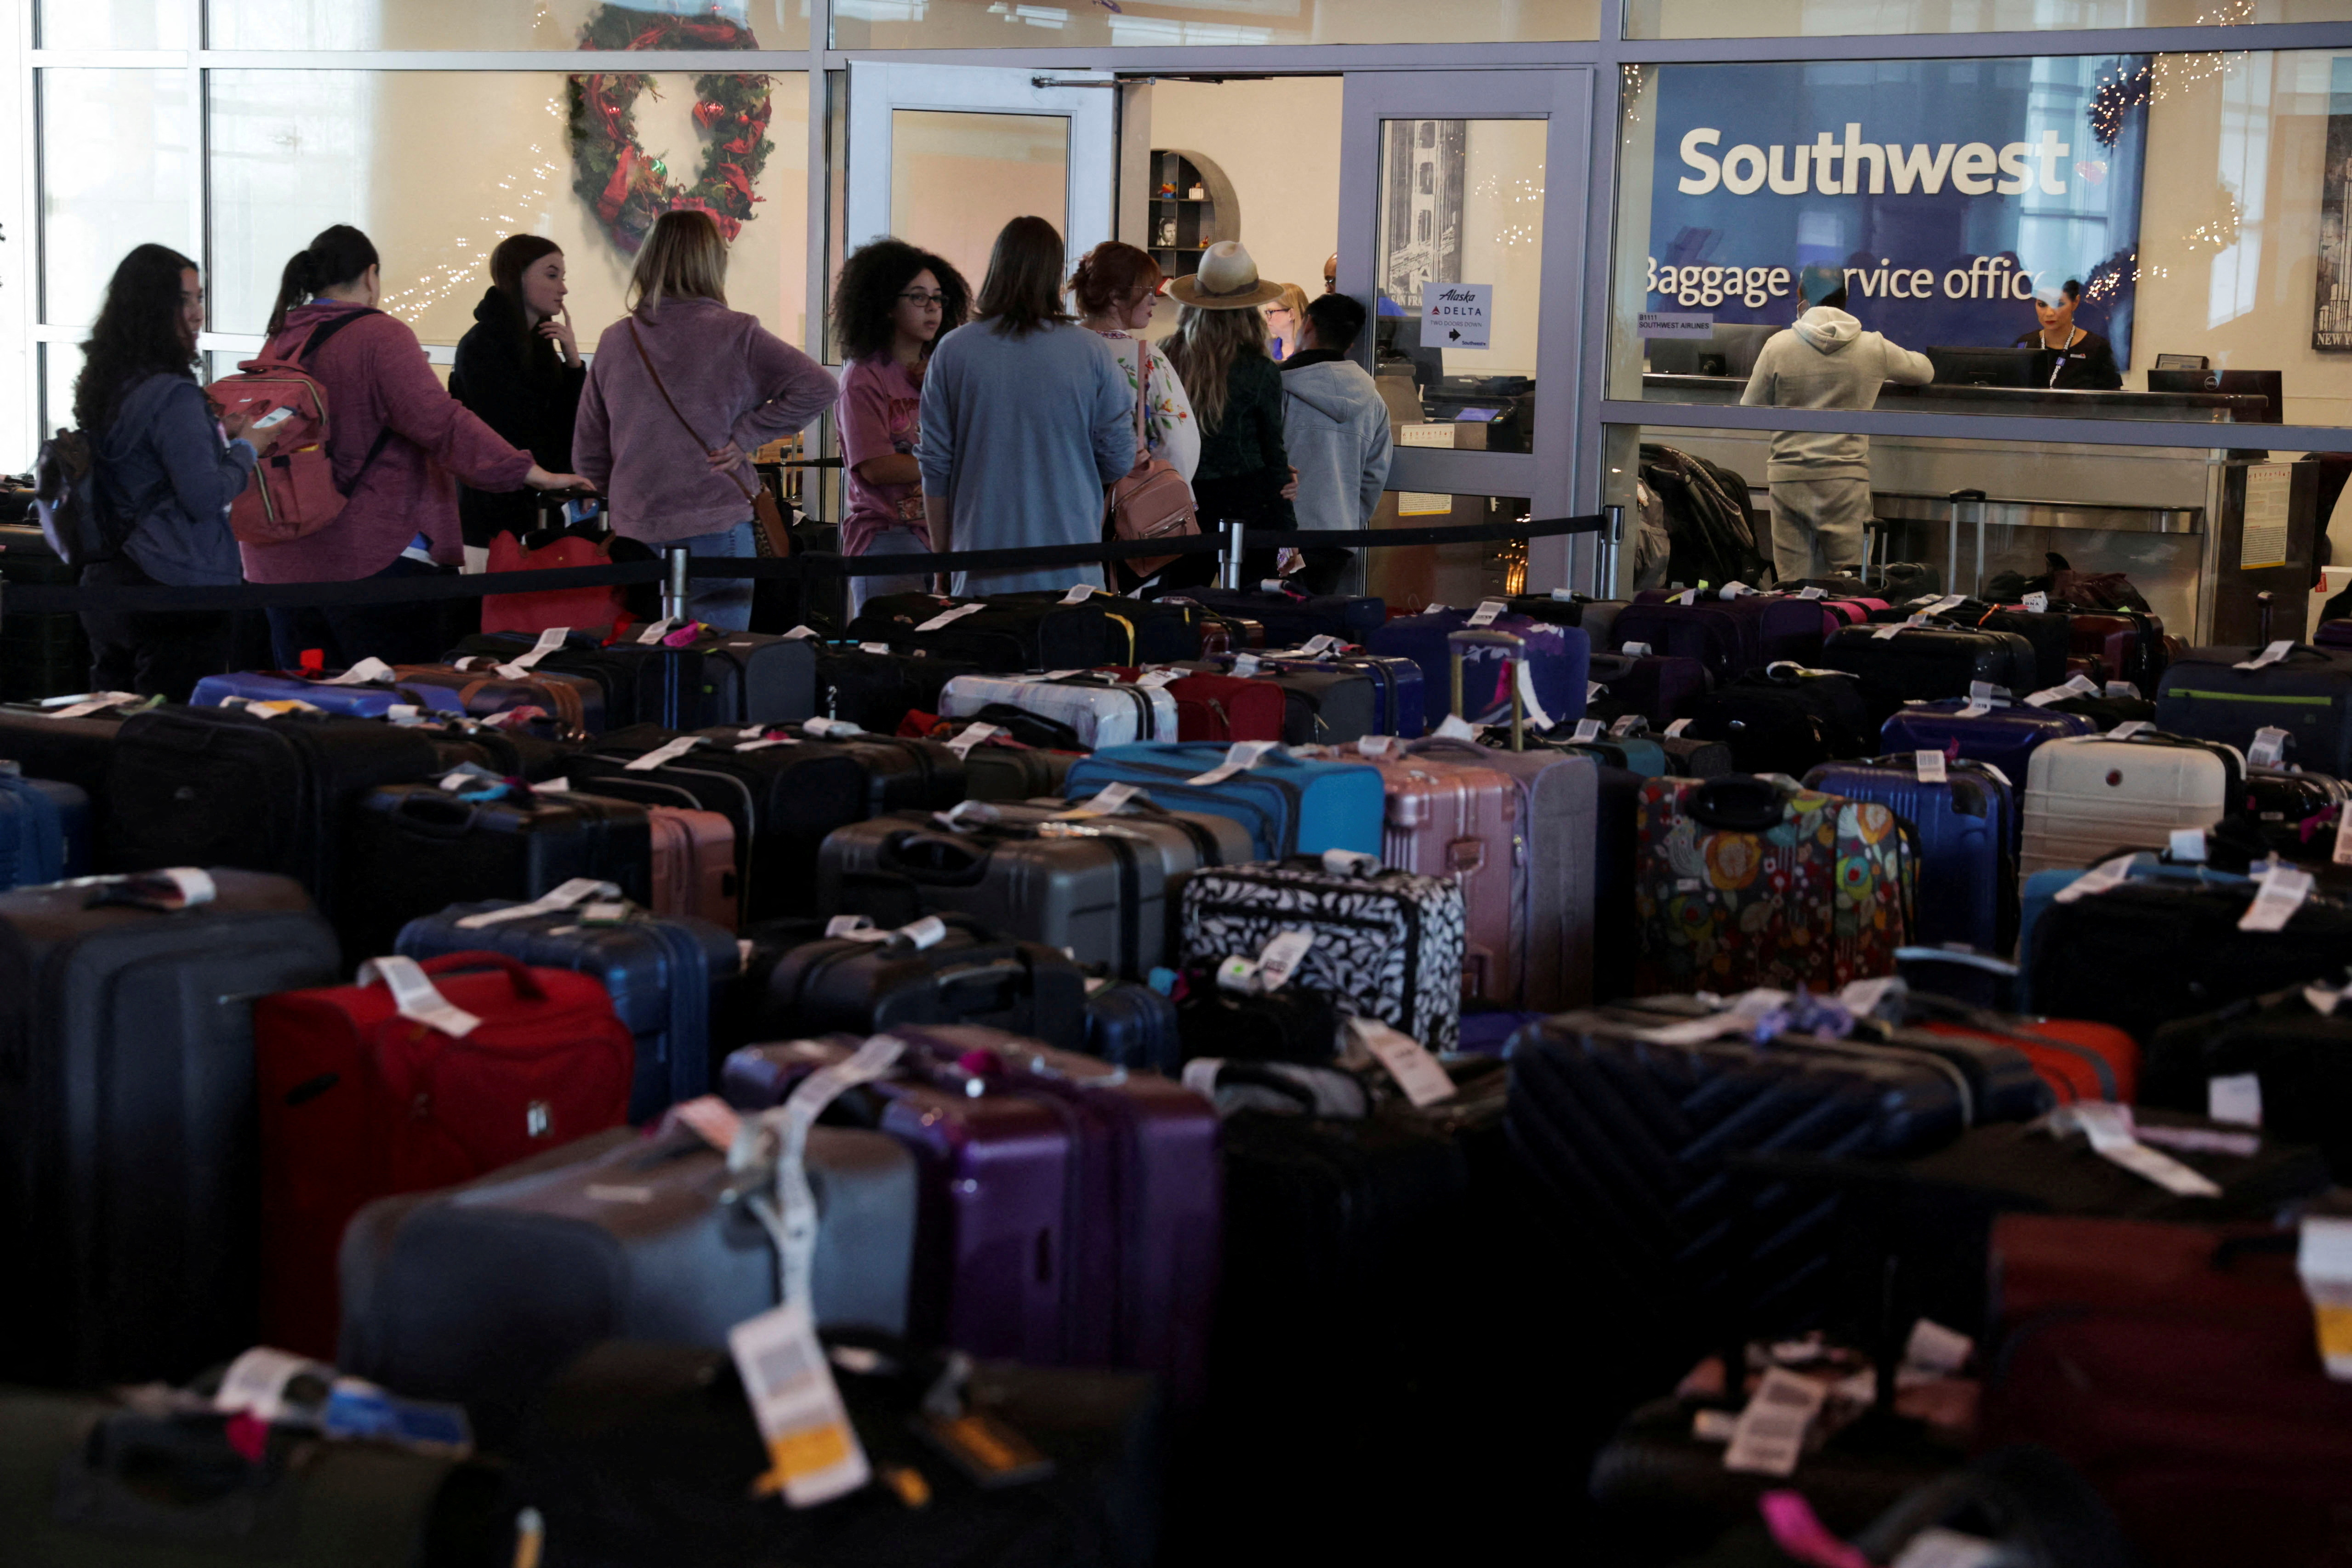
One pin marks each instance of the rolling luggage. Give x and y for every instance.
(483, 1292)
(2086, 799)
(1452, 817)
(572, 703)
(1659, 688)
(1001, 636)
(44, 830)
(215, 786)
(903, 773)
(1000, 768)
(1291, 805)
(359, 1100)
(2050, 635)
(1225, 708)
(2299, 1058)
(2131, 644)
(508, 754)
(1389, 945)
(1962, 825)
(1289, 619)
(954, 970)
(128, 1197)
(410, 850)
(667, 976)
(2307, 693)
(2002, 736)
(1730, 635)
(727, 677)
(1557, 660)
(1291, 1025)
(694, 865)
(872, 688)
(1689, 757)
(1400, 705)
(1135, 631)
(1785, 719)
(78, 751)
(366, 699)
(2077, 1059)
(1745, 881)
(1099, 710)
(1134, 1027)
(1322, 705)
(1898, 664)
(580, 653)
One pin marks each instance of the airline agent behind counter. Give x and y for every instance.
(2071, 358)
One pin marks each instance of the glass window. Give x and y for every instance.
(957, 178)
(114, 25)
(1413, 577)
(472, 25)
(1460, 269)
(118, 162)
(1010, 24)
(1818, 19)
(1997, 217)
(437, 167)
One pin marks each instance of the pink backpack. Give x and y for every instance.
(292, 492)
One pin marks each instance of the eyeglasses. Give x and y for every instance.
(916, 297)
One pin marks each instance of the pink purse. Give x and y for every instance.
(1151, 501)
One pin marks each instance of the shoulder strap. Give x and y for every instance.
(647, 361)
(324, 331)
(1142, 395)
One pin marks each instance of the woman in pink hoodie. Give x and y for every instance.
(400, 444)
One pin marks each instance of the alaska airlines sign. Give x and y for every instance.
(1948, 191)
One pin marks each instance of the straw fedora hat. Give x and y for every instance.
(1227, 280)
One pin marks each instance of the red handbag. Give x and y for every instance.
(359, 1100)
(536, 613)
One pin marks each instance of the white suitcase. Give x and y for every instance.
(2089, 797)
(1104, 711)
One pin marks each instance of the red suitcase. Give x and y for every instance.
(1449, 818)
(359, 1102)
(2131, 644)
(2077, 1060)
(694, 865)
(1222, 707)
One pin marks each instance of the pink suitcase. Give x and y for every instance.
(1446, 816)
(694, 865)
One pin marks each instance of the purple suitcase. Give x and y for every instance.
(1656, 686)
(371, 700)
(2005, 737)
(1730, 637)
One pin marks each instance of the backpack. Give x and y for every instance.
(77, 524)
(293, 493)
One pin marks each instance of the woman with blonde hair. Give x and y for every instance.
(1285, 323)
(1218, 353)
(682, 390)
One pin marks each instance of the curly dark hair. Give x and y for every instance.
(868, 291)
(139, 333)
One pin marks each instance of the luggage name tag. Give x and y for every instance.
(2037, 603)
(2269, 748)
(798, 632)
(708, 1118)
(1747, 1010)
(1635, 650)
(1936, 1547)
(814, 1451)
(1078, 594)
(1375, 745)
(1281, 957)
(1407, 1061)
(1929, 767)
(756, 738)
(1862, 998)
(1687, 596)
(1586, 730)
(572, 894)
(1153, 679)
(2270, 655)
(1241, 756)
(1922, 599)
(1453, 727)
(1486, 612)
(170, 891)
(967, 815)
(874, 647)
(1108, 801)
(1323, 647)
(2124, 732)
(1732, 590)
(948, 617)
(1813, 593)
(549, 641)
(2121, 689)
(277, 708)
(1891, 627)
(972, 735)
(831, 729)
(2046, 697)
(2113, 1138)
(2098, 879)
(415, 998)
(1564, 595)
(1676, 730)
(365, 670)
(1532, 709)
(1770, 1436)
(667, 752)
(2324, 1262)
(2284, 890)
(2237, 1097)
(259, 1383)
(1244, 666)
(83, 707)
(1631, 724)
(2188, 845)
(655, 632)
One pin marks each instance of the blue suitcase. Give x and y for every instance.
(1290, 619)
(44, 830)
(371, 700)
(2005, 737)
(1134, 1027)
(1967, 883)
(1560, 661)
(1291, 805)
(2308, 694)
(1400, 699)
(668, 976)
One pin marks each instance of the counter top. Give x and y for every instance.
(2001, 511)
(2210, 408)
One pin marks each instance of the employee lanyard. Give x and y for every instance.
(2072, 337)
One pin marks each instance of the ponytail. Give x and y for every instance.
(337, 256)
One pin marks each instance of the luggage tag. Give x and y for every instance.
(2126, 730)
(1747, 1010)
(2283, 891)
(360, 674)
(1281, 957)
(655, 632)
(2324, 1262)
(967, 815)
(2113, 1138)
(2098, 879)
(668, 752)
(1108, 801)
(1486, 612)
(2037, 603)
(170, 891)
(1631, 724)
(854, 928)
(1770, 1436)
(1936, 1547)
(570, 895)
(2270, 655)
(2269, 749)
(756, 738)
(272, 710)
(1676, 730)
(83, 707)
(874, 647)
(1586, 730)
(1893, 627)
(1241, 757)
(2188, 845)
(1687, 596)
(1532, 709)
(1244, 666)
(1324, 647)
(1376, 745)
(415, 998)
(1407, 1061)
(1453, 727)
(1864, 998)
(1564, 595)
(2237, 1097)
(267, 1384)
(549, 641)
(1079, 593)
(1813, 593)
(1929, 767)
(800, 632)
(1153, 679)
(972, 735)
(2118, 689)
(1983, 698)
(948, 617)
(2342, 854)
(1271, 585)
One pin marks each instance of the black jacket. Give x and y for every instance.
(519, 386)
(2088, 364)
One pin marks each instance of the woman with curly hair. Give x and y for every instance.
(890, 304)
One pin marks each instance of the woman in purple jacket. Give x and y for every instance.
(681, 391)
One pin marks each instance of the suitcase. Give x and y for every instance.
(727, 677)
(1291, 805)
(44, 830)
(1224, 708)
(1452, 817)
(2088, 799)
(215, 786)
(783, 799)
(1688, 757)
(1000, 769)
(1399, 704)
(1962, 827)
(2131, 644)
(1930, 661)
(1744, 882)
(970, 975)
(1616, 861)
(368, 699)
(1102, 889)
(1135, 631)
(126, 1107)
(1389, 945)
(2004, 737)
(508, 754)
(694, 865)
(1557, 665)
(1289, 619)
(582, 654)
(2292, 814)
(1323, 706)
(2077, 1059)
(482, 1293)
(359, 1102)
(1100, 710)
(902, 773)
(667, 978)
(872, 688)
(78, 751)
(2050, 635)
(2104, 713)
(1134, 1027)
(41, 656)
(1659, 688)
(2308, 694)
(1000, 637)
(2295, 1054)
(416, 849)
(1294, 1025)
(573, 703)
(1748, 630)
(1785, 719)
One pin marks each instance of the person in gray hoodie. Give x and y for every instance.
(1336, 429)
(1820, 482)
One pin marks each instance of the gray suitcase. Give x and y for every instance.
(1106, 887)
(128, 1205)
(481, 1293)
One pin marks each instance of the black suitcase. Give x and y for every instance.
(2106, 712)
(999, 770)
(2300, 1058)
(2051, 635)
(1924, 663)
(1291, 1025)
(969, 976)
(1134, 1027)
(726, 678)
(1785, 723)
(222, 786)
(872, 688)
(901, 773)
(78, 752)
(417, 849)
(128, 1195)
(1326, 707)
(783, 800)
(998, 636)
(46, 655)
(1690, 757)
(1135, 631)
(583, 653)
(509, 753)
(1290, 619)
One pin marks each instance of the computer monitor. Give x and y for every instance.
(1983, 366)
(1730, 350)
(2261, 383)
(2182, 362)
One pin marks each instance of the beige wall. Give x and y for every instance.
(957, 179)
(1278, 142)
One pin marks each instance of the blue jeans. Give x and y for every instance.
(890, 542)
(722, 602)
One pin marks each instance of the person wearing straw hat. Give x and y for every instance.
(1220, 354)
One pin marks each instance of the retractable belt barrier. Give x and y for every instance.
(35, 599)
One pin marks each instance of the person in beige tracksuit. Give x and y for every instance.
(1820, 483)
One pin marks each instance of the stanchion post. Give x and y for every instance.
(673, 591)
(1612, 536)
(1232, 567)
(673, 586)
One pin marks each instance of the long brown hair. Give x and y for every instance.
(685, 256)
(337, 255)
(1023, 290)
(139, 333)
(1208, 344)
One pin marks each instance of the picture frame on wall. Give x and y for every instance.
(2331, 313)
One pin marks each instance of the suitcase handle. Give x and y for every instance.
(1002, 978)
(1739, 803)
(526, 985)
(952, 865)
(453, 820)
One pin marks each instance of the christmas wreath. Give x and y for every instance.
(629, 187)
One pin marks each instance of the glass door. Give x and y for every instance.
(943, 156)
(1461, 225)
